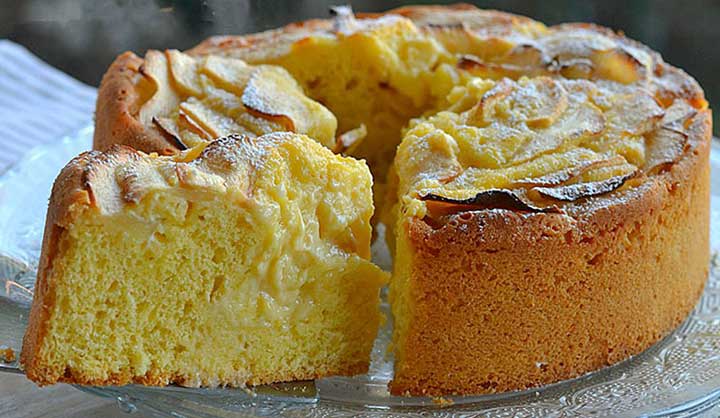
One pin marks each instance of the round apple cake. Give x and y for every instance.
(545, 189)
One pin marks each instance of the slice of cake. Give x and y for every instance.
(245, 265)
(544, 228)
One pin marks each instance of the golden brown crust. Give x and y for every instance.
(506, 301)
(117, 108)
(451, 15)
(488, 22)
(159, 378)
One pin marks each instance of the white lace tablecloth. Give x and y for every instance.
(39, 103)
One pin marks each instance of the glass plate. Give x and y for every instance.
(679, 376)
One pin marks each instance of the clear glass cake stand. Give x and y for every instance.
(677, 377)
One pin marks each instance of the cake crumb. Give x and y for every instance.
(442, 402)
(7, 354)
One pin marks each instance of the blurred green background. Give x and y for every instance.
(82, 37)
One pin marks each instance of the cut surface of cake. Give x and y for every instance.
(546, 189)
(245, 265)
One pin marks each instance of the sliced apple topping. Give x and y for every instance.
(461, 38)
(186, 123)
(199, 98)
(540, 113)
(229, 74)
(569, 174)
(664, 148)
(586, 179)
(533, 144)
(584, 121)
(169, 127)
(439, 206)
(482, 114)
(164, 100)
(669, 141)
(513, 61)
(576, 68)
(492, 71)
(262, 97)
(348, 141)
(573, 42)
(272, 92)
(678, 115)
(590, 55)
(615, 65)
(184, 70)
(572, 192)
(618, 65)
(212, 122)
(427, 157)
(495, 70)
(634, 113)
(540, 102)
(537, 102)
(527, 55)
(670, 84)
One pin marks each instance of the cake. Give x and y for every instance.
(545, 189)
(245, 264)
(577, 241)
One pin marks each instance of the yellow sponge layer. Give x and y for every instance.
(252, 268)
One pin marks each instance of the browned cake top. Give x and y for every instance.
(538, 116)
